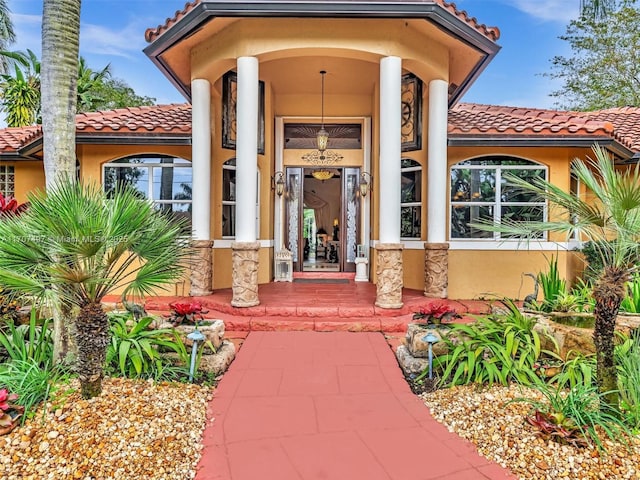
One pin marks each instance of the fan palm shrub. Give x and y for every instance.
(78, 244)
(611, 220)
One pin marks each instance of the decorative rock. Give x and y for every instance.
(418, 347)
(220, 361)
(577, 339)
(213, 332)
(408, 363)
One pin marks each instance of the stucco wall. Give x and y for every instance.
(29, 176)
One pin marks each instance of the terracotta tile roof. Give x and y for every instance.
(155, 119)
(492, 33)
(12, 139)
(467, 119)
(159, 119)
(151, 34)
(626, 121)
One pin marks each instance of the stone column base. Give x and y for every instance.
(436, 269)
(201, 275)
(389, 272)
(244, 258)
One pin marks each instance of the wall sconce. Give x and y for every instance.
(277, 183)
(365, 185)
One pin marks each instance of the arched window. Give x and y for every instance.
(410, 198)
(229, 199)
(479, 193)
(165, 180)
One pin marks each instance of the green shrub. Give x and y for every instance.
(32, 342)
(31, 381)
(628, 361)
(134, 349)
(500, 349)
(577, 369)
(576, 416)
(583, 291)
(552, 286)
(631, 303)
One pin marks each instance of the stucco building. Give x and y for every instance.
(406, 167)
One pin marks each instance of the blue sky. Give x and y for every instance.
(112, 31)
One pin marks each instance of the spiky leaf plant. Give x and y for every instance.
(90, 244)
(611, 220)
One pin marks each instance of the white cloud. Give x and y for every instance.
(549, 10)
(27, 28)
(125, 42)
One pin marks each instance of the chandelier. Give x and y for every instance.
(322, 156)
(322, 174)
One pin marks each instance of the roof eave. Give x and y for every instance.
(610, 144)
(29, 150)
(203, 12)
(171, 139)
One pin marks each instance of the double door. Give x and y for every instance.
(322, 219)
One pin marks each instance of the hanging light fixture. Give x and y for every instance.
(322, 156)
(322, 174)
(322, 137)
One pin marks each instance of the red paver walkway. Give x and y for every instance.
(310, 405)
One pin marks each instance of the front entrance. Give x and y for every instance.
(322, 212)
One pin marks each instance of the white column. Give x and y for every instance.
(390, 148)
(201, 158)
(246, 149)
(437, 162)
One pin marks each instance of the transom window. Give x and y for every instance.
(7, 181)
(479, 192)
(166, 181)
(410, 198)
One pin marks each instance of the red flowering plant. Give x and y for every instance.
(10, 412)
(10, 206)
(435, 313)
(186, 312)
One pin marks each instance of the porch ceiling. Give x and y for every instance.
(301, 75)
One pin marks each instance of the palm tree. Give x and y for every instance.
(7, 35)
(89, 82)
(60, 48)
(77, 244)
(611, 220)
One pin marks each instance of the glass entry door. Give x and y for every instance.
(322, 218)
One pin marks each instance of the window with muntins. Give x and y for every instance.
(480, 193)
(166, 181)
(7, 181)
(229, 199)
(410, 198)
